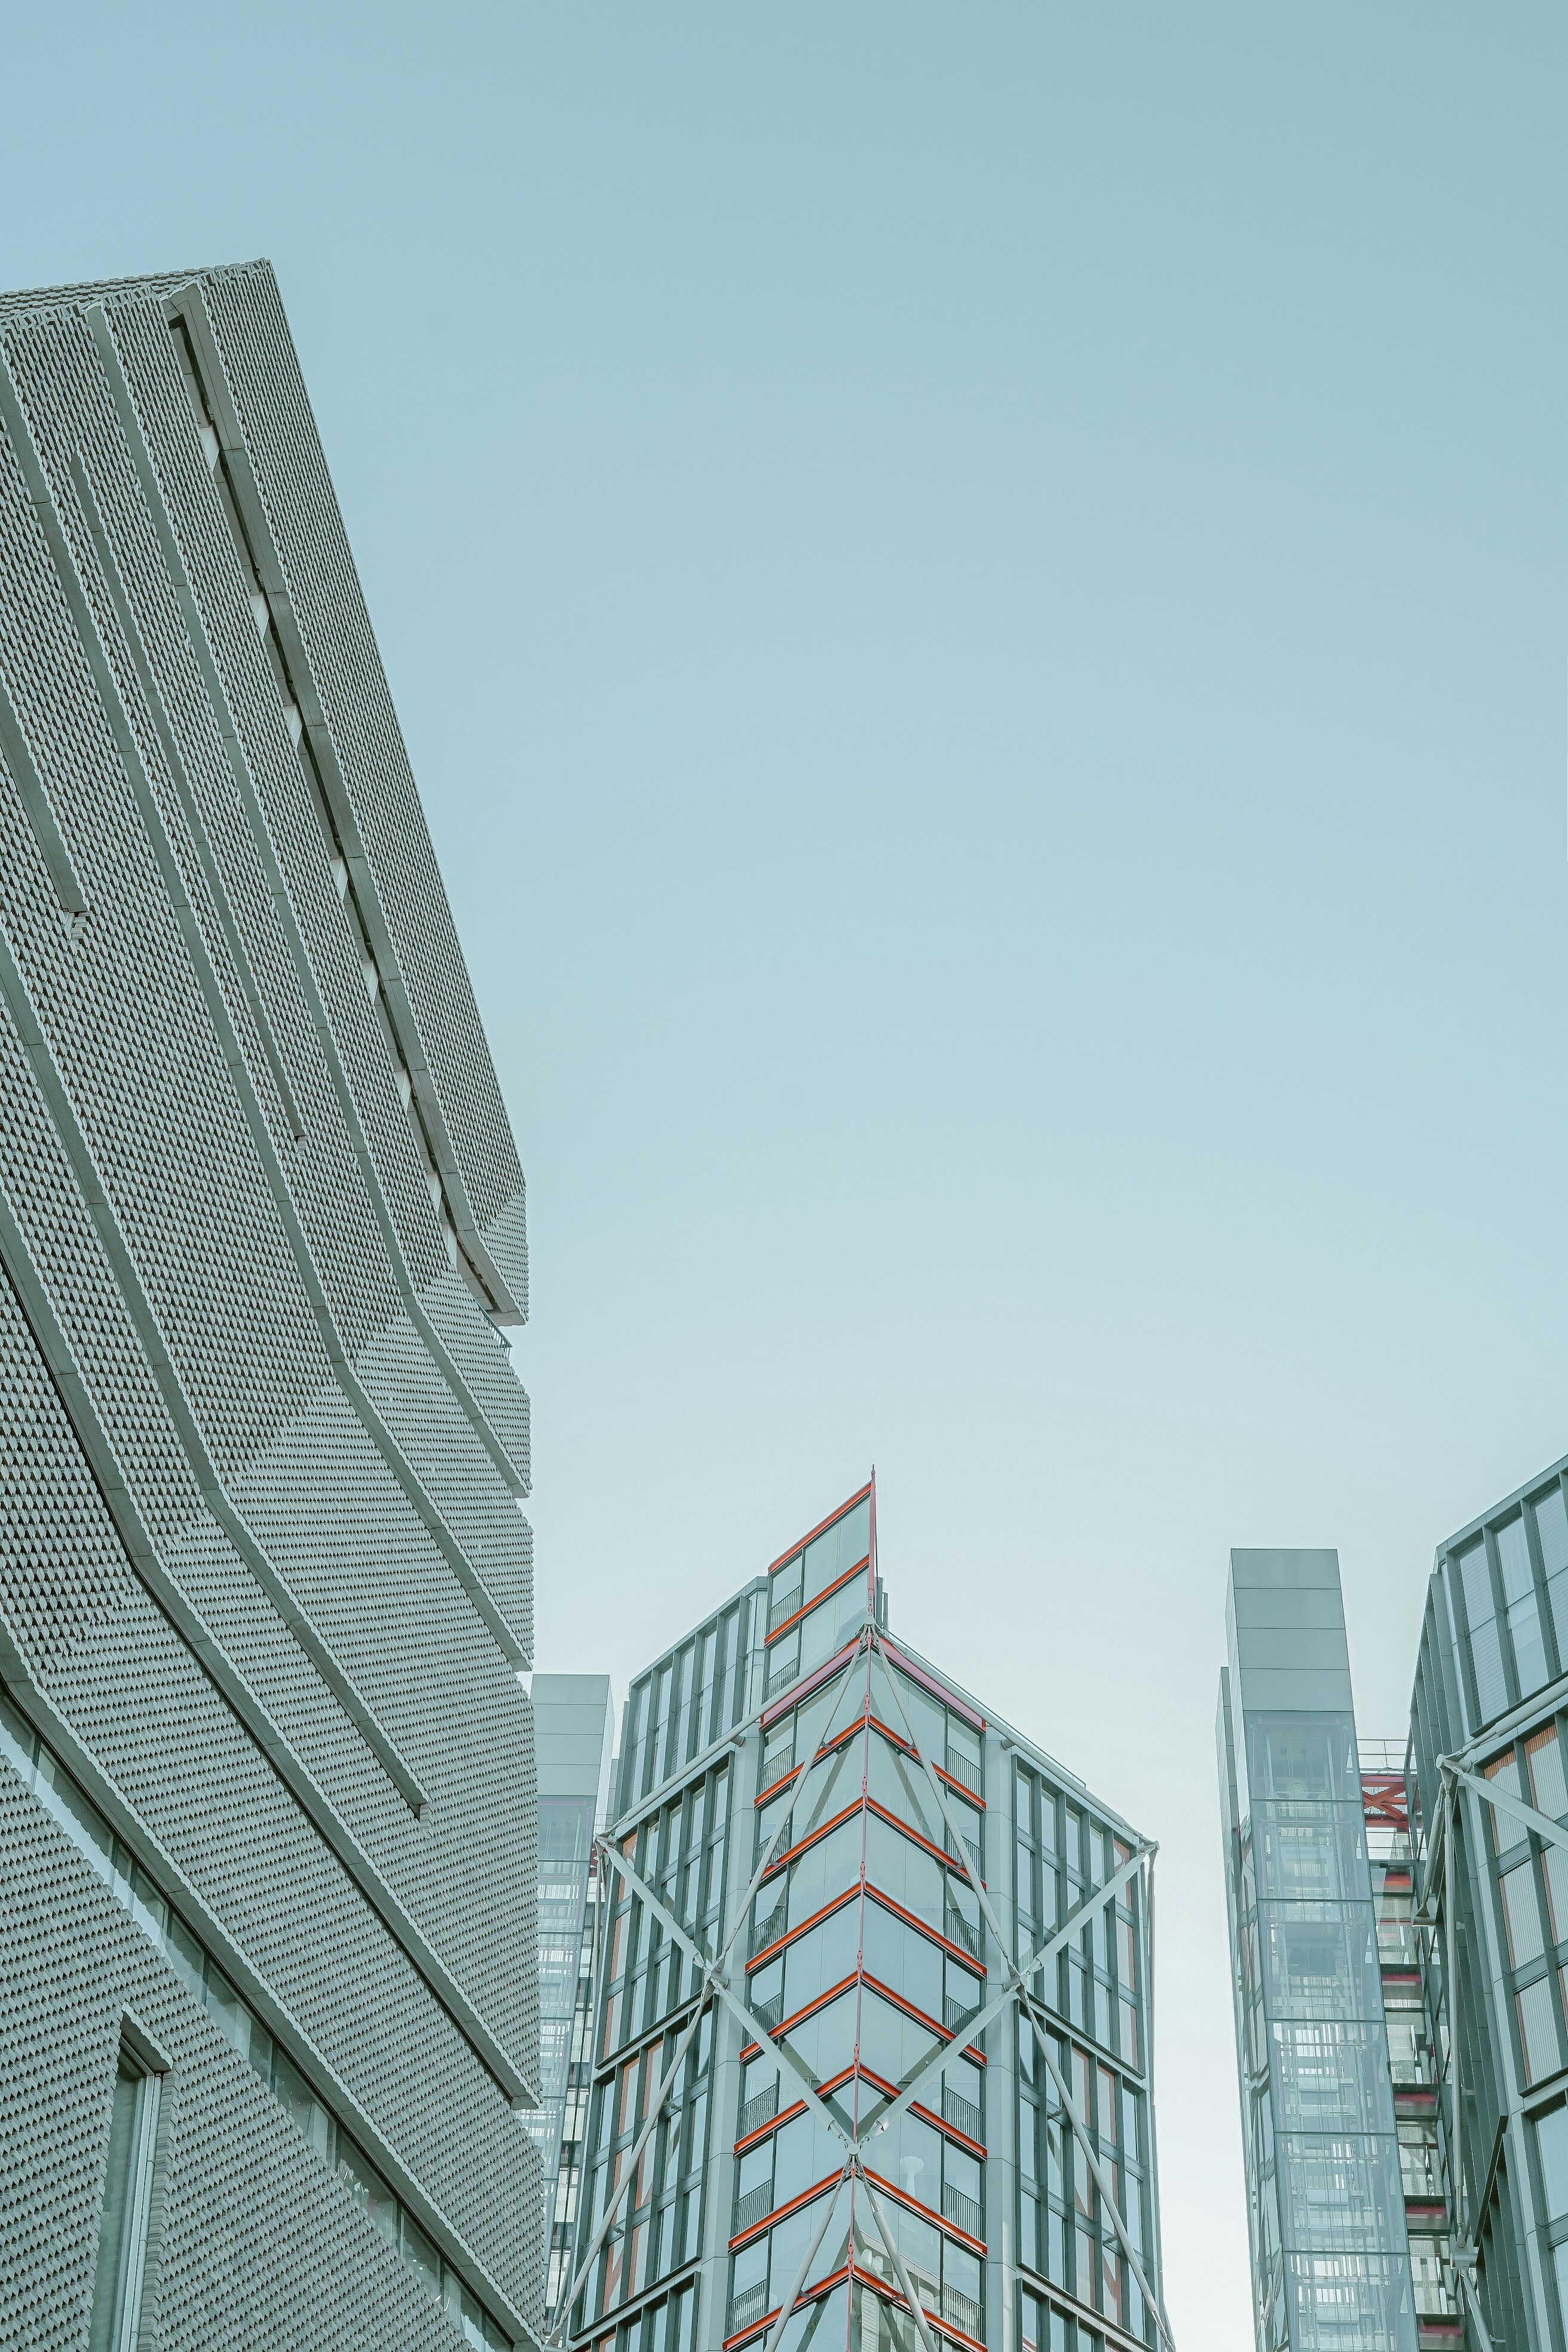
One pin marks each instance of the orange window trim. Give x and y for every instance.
(890, 2294)
(769, 1793)
(820, 1528)
(774, 2124)
(969, 1795)
(837, 1903)
(816, 1601)
(948, 1861)
(808, 2295)
(812, 1837)
(930, 1933)
(799, 1692)
(913, 2204)
(782, 2212)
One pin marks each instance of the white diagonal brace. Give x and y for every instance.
(905, 2282)
(1435, 1864)
(1018, 1979)
(785, 1819)
(1468, 2282)
(782, 2057)
(1101, 2177)
(1501, 1802)
(946, 1810)
(633, 2157)
(775, 2334)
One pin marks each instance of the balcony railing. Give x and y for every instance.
(768, 1931)
(962, 2211)
(747, 2309)
(960, 2311)
(768, 2013)
(960, 2113)
(753, 2207)
(967, 1775)
(758, 2110)
(956, 2014)
(784, 1605)
(959, 1931)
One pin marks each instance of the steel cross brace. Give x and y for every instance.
(916, 2312)
(1501, 1802)
(829, 2207)
(1101, 2177)
(1017, 1988)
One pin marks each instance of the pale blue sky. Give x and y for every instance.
(977, 597)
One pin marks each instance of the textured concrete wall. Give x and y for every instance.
(265, 1585)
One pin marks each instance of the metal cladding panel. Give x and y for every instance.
(263, 1578)
(258, 354)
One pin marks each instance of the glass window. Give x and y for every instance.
(903, 1962)
(822, 1959)
(1523, 1614)
(1546, 1779)
(1538, 2030)
(1506, 1831)
(1554, 1862)
(1552, 2146)
(1551, 1531)
(1485, 1649)
(127, 2196)
(1522, 1915)
(914, 1878)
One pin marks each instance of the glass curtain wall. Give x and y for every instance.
(863, 1961)
(1330, 2256)
(1491, 1691)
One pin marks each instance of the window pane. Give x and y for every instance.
(1552, 1527)
(1491, 1691)
(1551, 2142)
(127, 2192)
(419, 2253)
(1476, 1575)
(1513, 1560)
(1538, 2030)
(1504, 1774)
(1522, 1918)
(1555, 1863)
(1528, 1645)
(1546, 1773)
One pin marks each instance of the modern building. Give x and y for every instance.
(873, 2042)
(1335, 2094)
(1489, 1808)
(266, 1767)
(1422, 1889)
(574, 1735)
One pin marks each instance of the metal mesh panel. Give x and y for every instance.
(200, 1118)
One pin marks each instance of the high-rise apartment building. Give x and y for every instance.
(574, 1736)
(267, 1879)
(1450, 1873)
(1488, 1807)
(872, 2050)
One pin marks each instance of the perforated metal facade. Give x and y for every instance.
(266, 1768)
(872, 2063)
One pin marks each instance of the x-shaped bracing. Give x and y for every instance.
(715, 1984)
